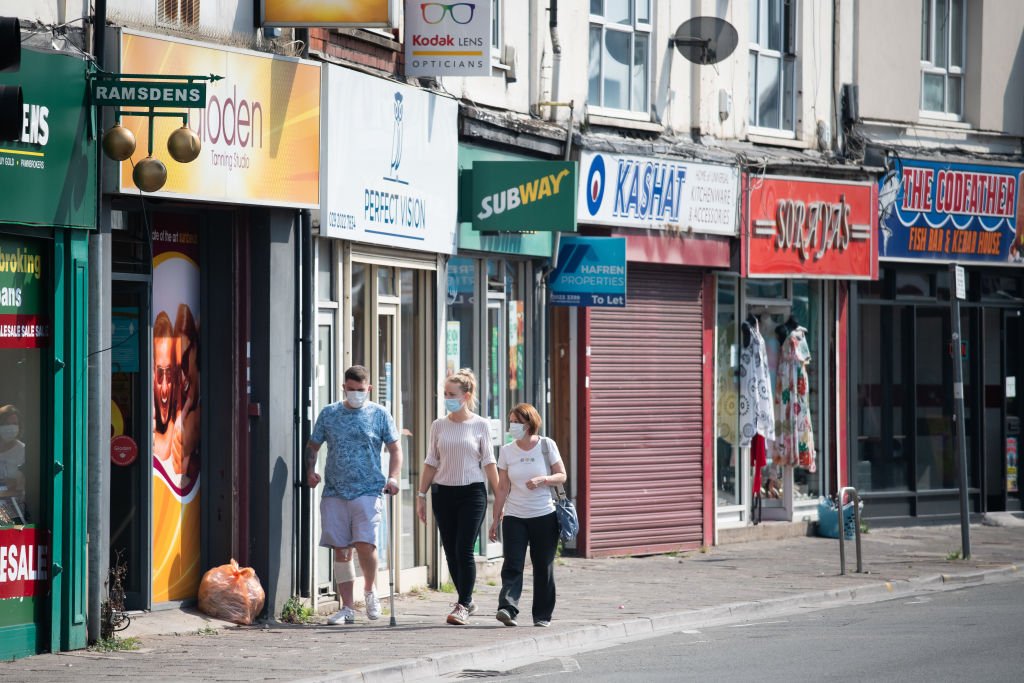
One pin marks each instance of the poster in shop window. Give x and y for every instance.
(176, 412)
(941, 212)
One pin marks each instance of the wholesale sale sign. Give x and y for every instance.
(24, 563)
(448, 39)
(24, 320)
(260, 127)
(937, 211)
(797, 227)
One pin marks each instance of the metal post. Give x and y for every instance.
(958, 290)
(855, 499)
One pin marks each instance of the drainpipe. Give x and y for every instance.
(556, 51)
(838, 142)
(97, 510)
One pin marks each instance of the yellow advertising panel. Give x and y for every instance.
(260, 130)
(328, 13)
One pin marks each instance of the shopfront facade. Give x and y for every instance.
(389, 196)
(641, 372)
(496, 315)
(204, 301)
(936, 213)
(803, 239)
(47, 211)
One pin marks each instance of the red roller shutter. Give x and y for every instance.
(646, 421)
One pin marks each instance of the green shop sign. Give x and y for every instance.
(113, 92)
(48, 177)
(23, 319)
(523, 196)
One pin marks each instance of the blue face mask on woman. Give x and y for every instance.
(452, 405)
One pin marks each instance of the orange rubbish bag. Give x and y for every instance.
(231, 593)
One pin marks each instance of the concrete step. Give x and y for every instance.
(766, 531)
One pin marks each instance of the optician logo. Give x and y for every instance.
(595, 185)
(397, 135)
(460, 12)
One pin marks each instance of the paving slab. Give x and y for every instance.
(601, 600)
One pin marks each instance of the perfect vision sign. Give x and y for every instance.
(391, 170)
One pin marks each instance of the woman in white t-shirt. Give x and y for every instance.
(524, 507)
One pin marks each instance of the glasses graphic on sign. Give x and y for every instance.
(461, 12)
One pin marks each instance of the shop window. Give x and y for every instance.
(325, 288)
(460, 337)
(359, 304)
(882, 456)
(915, 284)
(727, 452)
(942, 57)
(385, 281)
(806, 312)
(772, 64)
(1000, 288)
(620, 35)
(181, 13)
(766, 289)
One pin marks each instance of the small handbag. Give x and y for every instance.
(568, 521)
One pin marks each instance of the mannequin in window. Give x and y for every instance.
(757, 415)
(12, 459)
(794, 445)
(746, 326)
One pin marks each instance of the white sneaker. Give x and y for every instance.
(345, 615)
(372, 606)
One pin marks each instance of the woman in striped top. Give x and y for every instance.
(459, 458)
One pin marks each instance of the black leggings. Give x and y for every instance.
(460, 512)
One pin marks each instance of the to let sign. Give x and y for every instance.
(810, 229)
(118, 93)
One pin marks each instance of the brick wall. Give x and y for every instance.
(360, 47)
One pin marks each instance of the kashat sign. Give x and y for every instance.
(657, 193)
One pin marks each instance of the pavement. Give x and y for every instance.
(599, 602)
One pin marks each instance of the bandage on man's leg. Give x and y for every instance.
(344, 574)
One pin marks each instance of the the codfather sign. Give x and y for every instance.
(524, 196)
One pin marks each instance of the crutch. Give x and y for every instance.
(391, 555)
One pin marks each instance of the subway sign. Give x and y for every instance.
(523, 196)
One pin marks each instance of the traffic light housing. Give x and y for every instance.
(11, 102)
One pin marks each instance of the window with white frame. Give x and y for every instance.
(178, 13)
(942, 56)
(620, 54)
(496, 29)
(773, 64)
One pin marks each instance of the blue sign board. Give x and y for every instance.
(940, 211)
(591, 271)
(124, 340)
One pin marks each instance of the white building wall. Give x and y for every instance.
(48, 13)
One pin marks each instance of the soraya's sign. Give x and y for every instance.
(807, 228)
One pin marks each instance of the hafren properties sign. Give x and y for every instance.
(523, 196)
(23, 320)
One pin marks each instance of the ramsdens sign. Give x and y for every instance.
(148, 94)
(522, 196)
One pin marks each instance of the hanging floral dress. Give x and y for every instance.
(794, 438)
(756, 413)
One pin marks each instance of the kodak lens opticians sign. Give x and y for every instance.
(524, 196)
(148, 94)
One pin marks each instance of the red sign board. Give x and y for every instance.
(24, 563)
(123, 450)
(805, 228)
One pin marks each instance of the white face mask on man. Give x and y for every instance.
(8, 432)
(356, 399)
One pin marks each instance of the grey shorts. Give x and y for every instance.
(344, 522)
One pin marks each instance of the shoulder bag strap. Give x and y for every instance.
(545, 450)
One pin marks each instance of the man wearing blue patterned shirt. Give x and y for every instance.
(355, 431)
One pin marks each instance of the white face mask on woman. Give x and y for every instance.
(8, 432)
(516, 430)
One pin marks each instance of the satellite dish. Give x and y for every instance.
(705, 40)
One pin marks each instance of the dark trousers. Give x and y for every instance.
(541, 535)
(459, 511)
